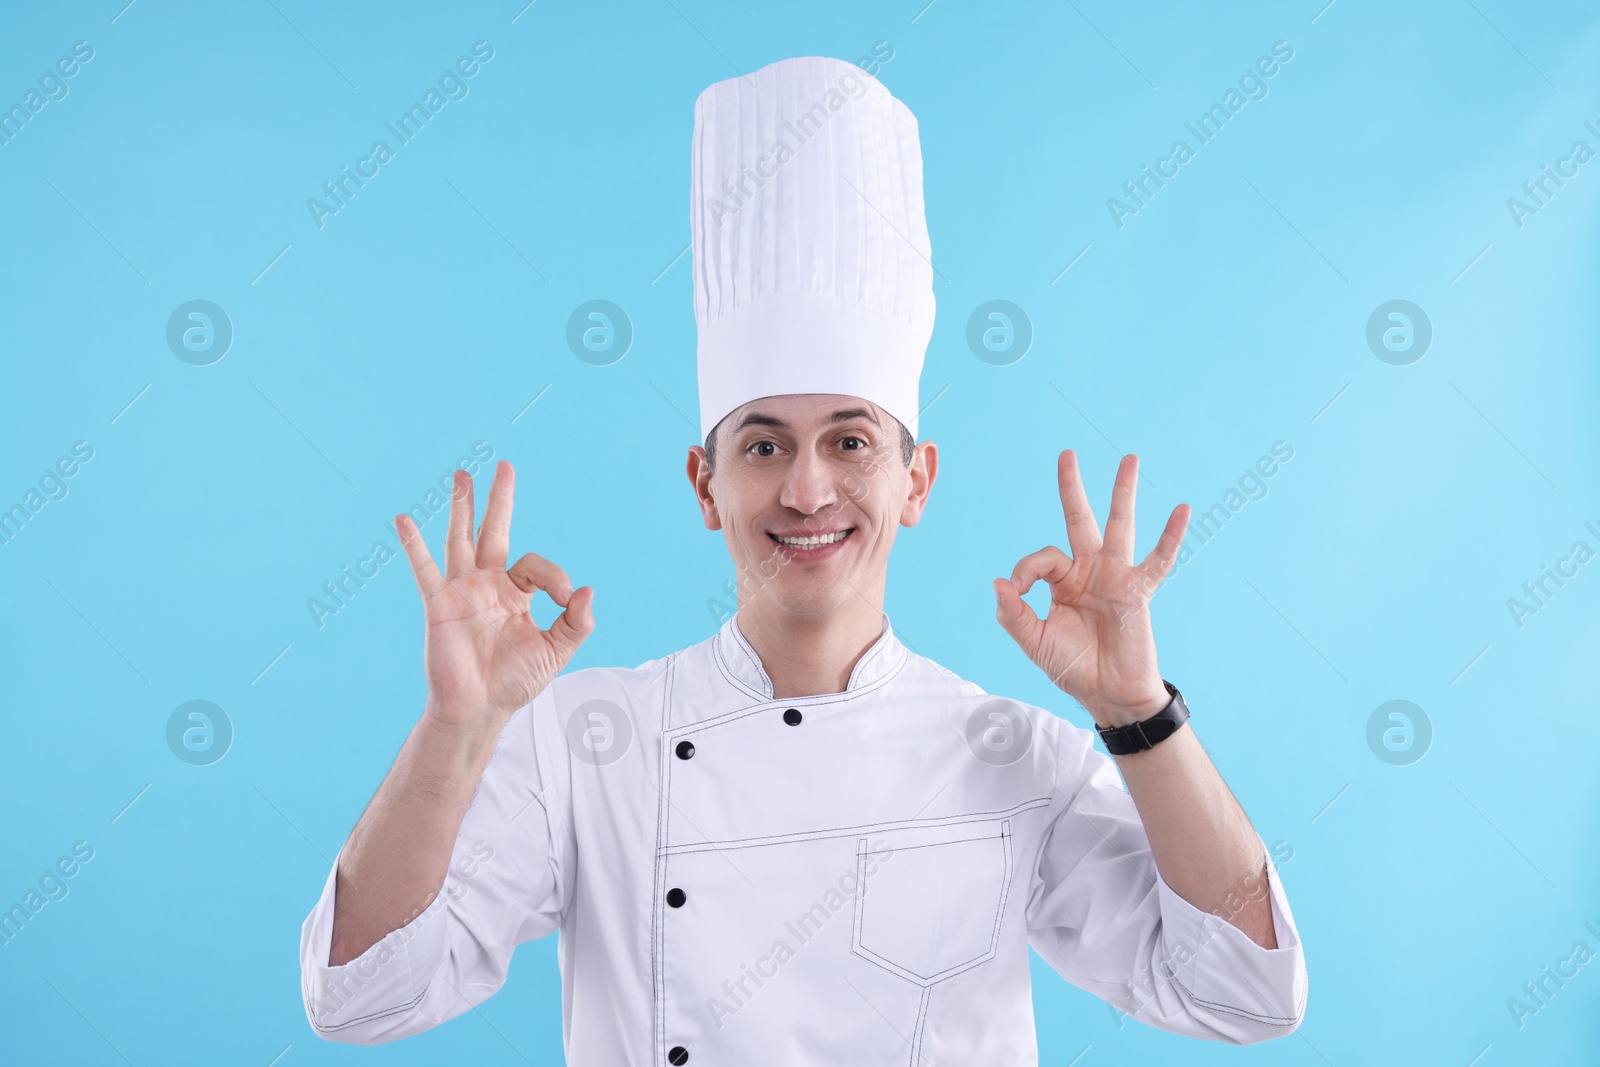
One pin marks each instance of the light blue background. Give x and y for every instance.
(1228, 314)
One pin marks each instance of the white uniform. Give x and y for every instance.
(852, 878)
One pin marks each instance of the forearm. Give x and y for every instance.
(397, 856)
(1202, 842)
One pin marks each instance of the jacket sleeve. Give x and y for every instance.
(1102, 916)
(508, 882)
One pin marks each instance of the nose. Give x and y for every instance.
(808, 484)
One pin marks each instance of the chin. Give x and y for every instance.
(812, 598)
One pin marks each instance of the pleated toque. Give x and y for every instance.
(812, 265)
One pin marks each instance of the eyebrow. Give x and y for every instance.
(755, 418)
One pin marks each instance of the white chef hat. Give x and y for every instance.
(811, 255)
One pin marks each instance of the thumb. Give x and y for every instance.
(1012, 612)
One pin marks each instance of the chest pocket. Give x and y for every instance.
(929, 906)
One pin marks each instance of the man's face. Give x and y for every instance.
(809, 491)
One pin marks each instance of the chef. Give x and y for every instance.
(799, 841)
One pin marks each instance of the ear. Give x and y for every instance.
(699, 471)
(924, 469)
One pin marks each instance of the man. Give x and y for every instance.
(797, 842)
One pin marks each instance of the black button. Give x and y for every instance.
(675, 898)
(684, 750)
(678, 1054)
(792, 716)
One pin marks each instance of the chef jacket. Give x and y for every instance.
(850, 877)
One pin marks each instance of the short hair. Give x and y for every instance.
(908, 445)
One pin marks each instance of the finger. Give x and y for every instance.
(1015, 615)
(494, 536)
(423, 569)
(575, 623)
(533, 572)
(1119, 524)
(1049, 564)
(458, 541)
(1083, 533)
(1158, 564)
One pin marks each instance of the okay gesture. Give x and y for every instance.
(483, 654)
(1096, 642)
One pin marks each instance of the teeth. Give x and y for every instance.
(813, 542)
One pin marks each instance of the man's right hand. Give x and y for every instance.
(484, 655)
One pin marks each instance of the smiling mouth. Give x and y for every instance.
(813, 540)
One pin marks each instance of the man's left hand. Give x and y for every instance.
(1096, 642)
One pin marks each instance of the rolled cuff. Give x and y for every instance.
(368, 999)
(1252, 993)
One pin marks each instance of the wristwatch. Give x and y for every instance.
(1138, 736)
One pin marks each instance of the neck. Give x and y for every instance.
(810, 655)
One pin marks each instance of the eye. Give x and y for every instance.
(759, 446)
(845, 443)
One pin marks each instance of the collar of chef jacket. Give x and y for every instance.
(742, 666)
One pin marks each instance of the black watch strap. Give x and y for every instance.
(1138, 736)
